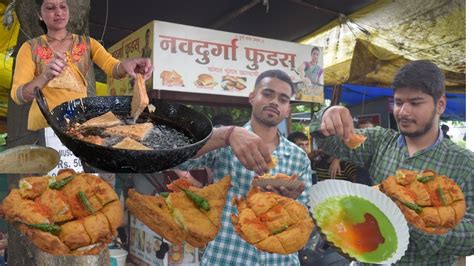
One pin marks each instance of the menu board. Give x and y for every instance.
(197, 60)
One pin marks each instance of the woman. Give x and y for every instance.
(59, 63)
(310, 71)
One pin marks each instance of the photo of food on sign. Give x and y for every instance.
(233, 83)
(171, 78)
(205, 81)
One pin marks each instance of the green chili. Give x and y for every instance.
(50, 228)
(164, 194)
(201, 202)
(277, 231)
(413, 206)
(82, 196)
(441, 195)
(61, 183)
(425, 179)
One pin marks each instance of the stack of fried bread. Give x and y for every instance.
(431, 202)
(271, 222)
(177, 217)
(71, 214)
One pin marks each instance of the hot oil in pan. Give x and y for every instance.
(165, 137)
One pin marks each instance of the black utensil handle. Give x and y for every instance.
(43, 105)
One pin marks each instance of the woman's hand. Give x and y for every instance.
(55, 67)
(137, 65)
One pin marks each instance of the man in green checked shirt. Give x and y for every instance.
(419, 101)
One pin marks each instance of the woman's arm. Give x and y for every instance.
(114, 68)
(24, 80)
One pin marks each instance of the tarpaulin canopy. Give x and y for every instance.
(357, 94)
(369, 46)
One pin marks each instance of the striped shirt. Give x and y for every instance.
(383, 153)
(228, 248)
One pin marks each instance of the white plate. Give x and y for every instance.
(336, 188)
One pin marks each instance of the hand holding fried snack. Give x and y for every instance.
(431, 202)
(355, 140)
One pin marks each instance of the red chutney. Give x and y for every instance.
(366, 236)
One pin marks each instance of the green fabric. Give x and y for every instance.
(3, 139)
(383, 153)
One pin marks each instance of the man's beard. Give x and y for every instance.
(421, 132)
(269, 122)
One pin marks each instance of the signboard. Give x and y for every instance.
(66, 158)
(197, 60)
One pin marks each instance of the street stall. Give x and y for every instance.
(207, 67)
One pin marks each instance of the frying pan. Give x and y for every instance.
(113, 160)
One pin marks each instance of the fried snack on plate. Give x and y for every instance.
(179, 217)
(355, 140)
(74, 214)
(272, 223)
(431, 202)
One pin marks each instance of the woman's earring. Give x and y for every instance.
(41, 18)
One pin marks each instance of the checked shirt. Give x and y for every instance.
(228, 248)
(383, 153)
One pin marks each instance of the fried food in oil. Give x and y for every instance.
(271, 222)
(137, 131)
(131, 144)
(106, 120)
(177, 218)
(433, 203)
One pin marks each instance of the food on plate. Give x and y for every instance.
(357, 227)
(271, 222)
(205, 81)
(355, 140)
(137, 131)
(131, 144)
(233, 83)
(140, 97)
(171, 79)
(106, 120)
(431, 202)
(74, 214)
(191, 214)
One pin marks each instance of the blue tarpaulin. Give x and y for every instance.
(354, 95)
